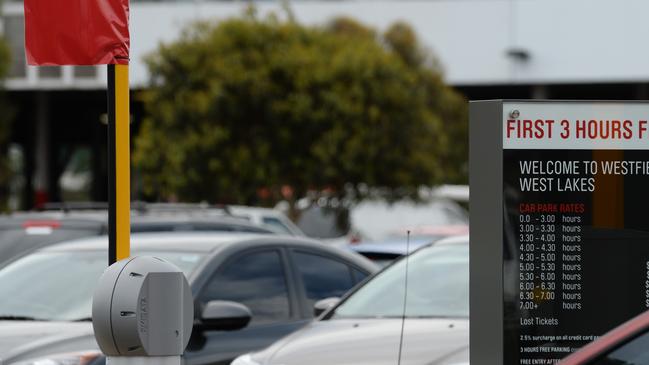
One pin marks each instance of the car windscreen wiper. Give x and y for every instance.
(19, 318)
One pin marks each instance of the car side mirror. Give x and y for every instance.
(224, 316)
(323, 304)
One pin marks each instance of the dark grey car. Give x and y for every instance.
(365, 327)
(23, 232)
(47, 294)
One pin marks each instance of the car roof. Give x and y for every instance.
(101, 217)
(455, 240)
(186, 241)
(206, 242)
(251, 209)
(189, 241)
(433, 230)
(94, 215)
(198, 218)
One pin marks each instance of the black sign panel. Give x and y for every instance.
(576, 248)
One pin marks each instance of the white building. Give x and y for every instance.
(479, 42)
(574, 49)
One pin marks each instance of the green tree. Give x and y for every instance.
(242, 109)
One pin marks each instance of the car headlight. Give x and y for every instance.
(244, 360)
(76, 358)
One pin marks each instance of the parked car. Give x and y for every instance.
(266, 217)
(25, 231)
(626, 344)
(365, 327)
(372, 220)
(46, 295)
(429, 232)
(385, 251)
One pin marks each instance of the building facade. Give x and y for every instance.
(574, 49)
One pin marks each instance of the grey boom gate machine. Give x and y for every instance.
(142, 312)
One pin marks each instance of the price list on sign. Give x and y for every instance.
(559, 226)
(538, 253)
(577, 251)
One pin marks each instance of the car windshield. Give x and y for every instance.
(438, 286)
(58, 286)
(17, 240)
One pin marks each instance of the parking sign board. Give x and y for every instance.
(560, 242)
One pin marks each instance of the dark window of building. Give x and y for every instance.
(49, 72)
(85, 72)
(14, 27)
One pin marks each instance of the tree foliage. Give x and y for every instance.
(242, 109)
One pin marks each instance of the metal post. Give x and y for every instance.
(119, 192)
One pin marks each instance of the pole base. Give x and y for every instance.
(143, 360)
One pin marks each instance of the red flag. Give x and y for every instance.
(76, 32)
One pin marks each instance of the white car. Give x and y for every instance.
(269, 218)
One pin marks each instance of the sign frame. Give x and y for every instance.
(487, 211)
(486, 233)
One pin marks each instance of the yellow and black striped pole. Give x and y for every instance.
(119, 164)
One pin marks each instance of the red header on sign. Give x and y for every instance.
(73, 32)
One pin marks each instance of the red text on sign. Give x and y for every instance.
(527, 128)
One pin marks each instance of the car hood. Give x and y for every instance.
(20, 340)
(372, 342)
